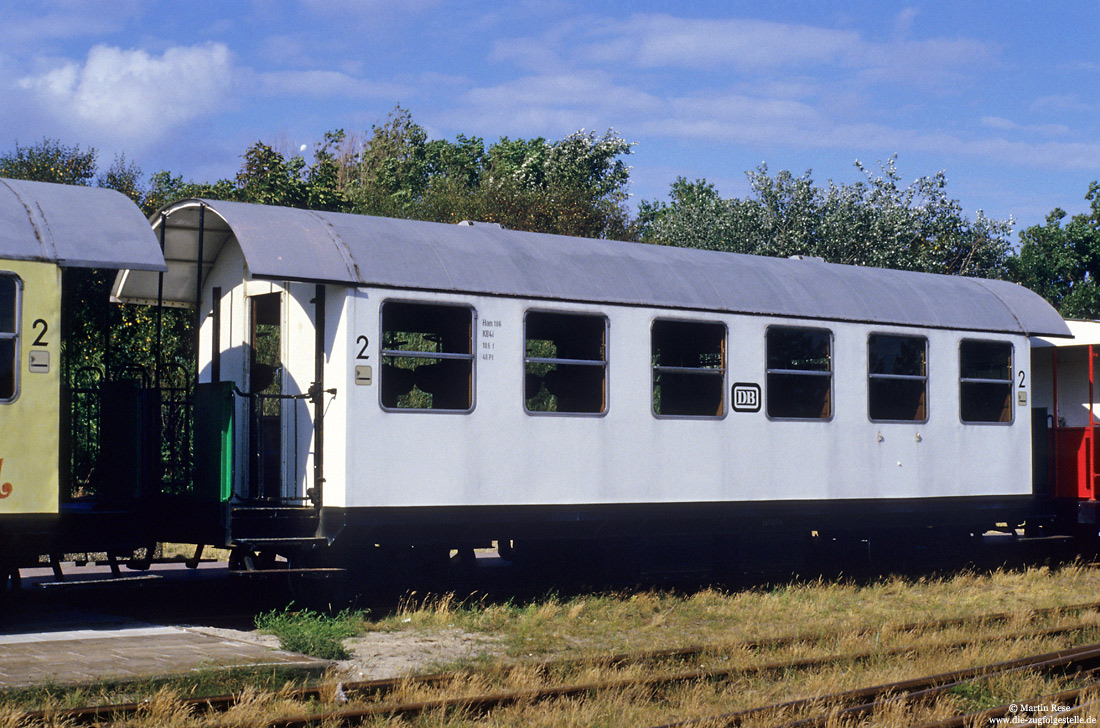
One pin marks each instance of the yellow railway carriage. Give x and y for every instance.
(30, 407)
(44, 229)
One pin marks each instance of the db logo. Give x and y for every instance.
(746, 397)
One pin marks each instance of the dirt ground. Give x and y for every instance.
(389, 654)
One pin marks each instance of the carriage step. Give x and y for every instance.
(281, 542)
(312, 573)
(270, 523)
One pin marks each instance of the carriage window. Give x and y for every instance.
(689, 367)
(9, 337)
(985, 381)
(565, 363)
(897, 378)
(427, 357)
(799, 373)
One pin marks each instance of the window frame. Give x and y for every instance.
(873, 377)
(605, 363)
(1010, 382)
(15, 336)
(471, 356)
(722, 372)
(830, 373)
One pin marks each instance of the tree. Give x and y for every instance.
(389, 173)
(125, 177)
(574, 186)
(1060, 260)
(269, 178)
(323, 191)
(50, 161)
(876, 222)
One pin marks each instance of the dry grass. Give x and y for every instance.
(830, 619)
(184, 551)
(635, 621)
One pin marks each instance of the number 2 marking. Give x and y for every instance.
(363, 351)
(40, 340)
(1022, 385)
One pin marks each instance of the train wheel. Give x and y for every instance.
(241, 559)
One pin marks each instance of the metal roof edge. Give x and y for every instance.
(1039, 318)
(76, 226)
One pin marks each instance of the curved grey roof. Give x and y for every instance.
(292, 244)
(74, 226)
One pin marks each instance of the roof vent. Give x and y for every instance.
(472, 223)
(814, 258)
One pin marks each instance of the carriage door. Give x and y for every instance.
(265, 385)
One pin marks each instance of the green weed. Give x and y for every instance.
(976, 696)
(310, 632)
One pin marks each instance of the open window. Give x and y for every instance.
(897, 378)
(689, 368)
(565, 363)
(427, 357)
(799, 373)
(10, 288)
(985, 381)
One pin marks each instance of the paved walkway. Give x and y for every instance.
(46, 641)
(86, 656)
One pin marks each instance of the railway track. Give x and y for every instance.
(864, 701)
(353, 703)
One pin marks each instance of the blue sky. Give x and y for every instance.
(1001, 95)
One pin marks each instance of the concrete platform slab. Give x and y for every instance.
(128, 653)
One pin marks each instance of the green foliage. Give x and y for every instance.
(312, 633)
(50, 161)
(462, 163)
(977, 696)
(322, 180)
(123, 177)
(268, 178)
(876, 222)
(1060, 260)
(164, 189)
(575, 186)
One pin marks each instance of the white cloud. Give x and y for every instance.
(1063, 103)
(939, 63)
(655, 43)
(996, 122)
(740, 118)
(552, 104)
(28, 26)
(368, 11)
(664, 40)
(321, 84)
(591, 89)
(132, 96)
(1053, 155)
(903, 21)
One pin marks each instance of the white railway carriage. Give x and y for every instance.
(425, 384)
